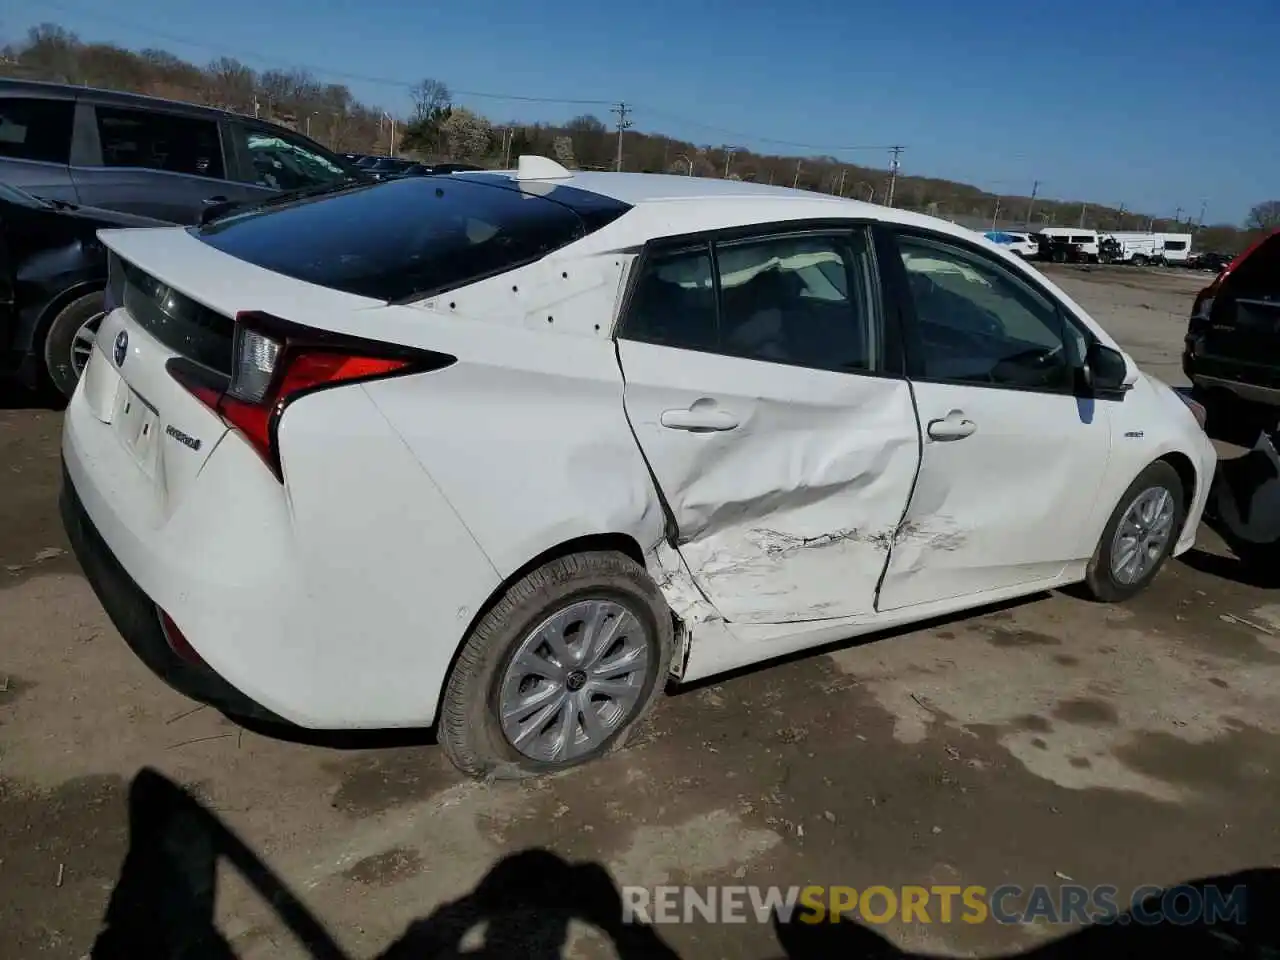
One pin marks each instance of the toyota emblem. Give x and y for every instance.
(122, 347)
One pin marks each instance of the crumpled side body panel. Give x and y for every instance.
(789, 514)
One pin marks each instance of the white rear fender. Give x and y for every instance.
(531, 451)
(389, 573)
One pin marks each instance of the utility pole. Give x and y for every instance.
(996, 214)
(1084, 208)
(1120, 217)
(1035, 188)
(1200, 223)
(623, 123)
(840, 189)
(893, 174)
(728, 159)
(1177, 214)
(796, 182)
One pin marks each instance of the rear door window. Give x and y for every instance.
(148, 140)
(409, 238)
(36, 129)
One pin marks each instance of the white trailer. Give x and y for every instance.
(1141, 248)
(1177, 247)
(1138, 249)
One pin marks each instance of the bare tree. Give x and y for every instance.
(430, 98)
(231, 84)
(52, 53)
(1264, 216)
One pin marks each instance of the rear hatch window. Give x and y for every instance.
(180, 323)
(407, 239)
(1258, 274)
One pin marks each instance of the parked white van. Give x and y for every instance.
(1086, 239)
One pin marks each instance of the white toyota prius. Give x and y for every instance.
(505, 452)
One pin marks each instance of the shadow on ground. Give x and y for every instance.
(163, 906)
(14, 396)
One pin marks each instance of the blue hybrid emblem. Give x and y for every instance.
(122, 347)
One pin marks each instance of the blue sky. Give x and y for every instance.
(1153, 104)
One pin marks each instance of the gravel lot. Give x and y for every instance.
(1052, 738)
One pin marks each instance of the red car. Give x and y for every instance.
(1233, 337)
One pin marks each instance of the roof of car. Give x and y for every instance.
(673, 205)
(45, 88)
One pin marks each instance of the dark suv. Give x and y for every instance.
(1233, 337)
(149, 157)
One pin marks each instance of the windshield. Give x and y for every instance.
(408, 238)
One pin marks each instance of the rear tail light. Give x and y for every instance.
(275, 362)
(177, 642)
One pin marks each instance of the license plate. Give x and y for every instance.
(137, 424)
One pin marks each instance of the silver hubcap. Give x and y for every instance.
(574, 680)
(1142, 535)
(82, 343)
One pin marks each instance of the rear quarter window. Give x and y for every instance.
(407, 239)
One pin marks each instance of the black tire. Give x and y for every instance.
(1100, 581)
(1139, 260)
(60, 375)
(470, 729)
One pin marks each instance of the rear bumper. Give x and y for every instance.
(137, 618)
(1248, 381)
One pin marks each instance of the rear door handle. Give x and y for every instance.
(954, 426)
(702, 417)
(210, 201)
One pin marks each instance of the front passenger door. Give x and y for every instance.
(269, 161)
(1012, 458)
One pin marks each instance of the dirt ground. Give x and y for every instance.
(1046, 740)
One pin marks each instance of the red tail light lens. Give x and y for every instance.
(276, 362)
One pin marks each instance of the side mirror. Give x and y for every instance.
(1104, 369)
(212, 211)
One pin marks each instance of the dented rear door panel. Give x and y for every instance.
(788, 515)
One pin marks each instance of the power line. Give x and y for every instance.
(247, 54)
(739, 136)
(243, 53)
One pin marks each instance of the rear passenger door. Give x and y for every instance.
(35, 145)
(153, 163)
(764, 389)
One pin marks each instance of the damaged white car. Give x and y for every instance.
(505, 452)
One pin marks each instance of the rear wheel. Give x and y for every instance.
(560, 671)
(69, 342)
(1139, 260)
(1139, 537)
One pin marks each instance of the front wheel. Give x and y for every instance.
(559, 671)
(1139, 537)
